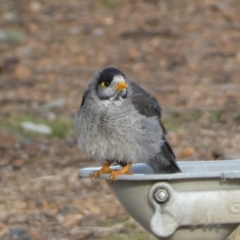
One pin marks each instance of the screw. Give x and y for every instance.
(161, 195)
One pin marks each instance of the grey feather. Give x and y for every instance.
(164, 161)
(123, 125)
(144, 102)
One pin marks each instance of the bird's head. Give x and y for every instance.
(111, 84)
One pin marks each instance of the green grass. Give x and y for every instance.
(237, 117)
(60, 127)
(110, 3)
(215, 116)
(174, 121)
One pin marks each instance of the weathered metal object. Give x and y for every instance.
(202, 202)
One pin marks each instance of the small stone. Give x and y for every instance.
(19, 233)
(51, 116)
(155, 42)
(9, 16)
(35, 7)
(81, 60)
(71, 220)
(32, 149)
(50, 78)
(3, 214)
(22, 72)
(3, 230)
(17, 163)
(98, 32)
(6, 140)
(24, 51)
(217, 154)
(133, 54)
(238, 56)
(38, 128)
(60, 218)
(33, 27)
(109, 20)
(50, 212)
(35, 234)
(17, 218)
(187, 152)
(75, 31)
(113, 213)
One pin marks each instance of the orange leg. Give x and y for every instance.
(124, 170)
(105, 169)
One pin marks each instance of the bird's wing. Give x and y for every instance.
(146, 104)
(86, 93)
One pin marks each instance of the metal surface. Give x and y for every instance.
(193, 208)
(203, 201)
(161, 195)
(227, 169)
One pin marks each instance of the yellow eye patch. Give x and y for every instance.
(103, 84)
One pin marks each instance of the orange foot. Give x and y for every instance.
(124, 170)
(105, 169)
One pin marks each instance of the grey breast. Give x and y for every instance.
(116, 132)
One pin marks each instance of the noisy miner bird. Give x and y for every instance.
(119, 122)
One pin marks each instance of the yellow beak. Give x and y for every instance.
(121, 85)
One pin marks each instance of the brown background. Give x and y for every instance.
(186, 53)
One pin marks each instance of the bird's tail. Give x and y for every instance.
(165, 161)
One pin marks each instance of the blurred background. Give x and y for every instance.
(186, 53)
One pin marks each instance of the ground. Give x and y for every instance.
(186, 53)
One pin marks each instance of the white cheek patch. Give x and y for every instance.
(112, 100)
(117, 79)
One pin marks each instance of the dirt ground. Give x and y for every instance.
(186, 53)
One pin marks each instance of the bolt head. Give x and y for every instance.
(161, 195)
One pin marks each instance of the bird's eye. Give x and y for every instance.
(105, 84)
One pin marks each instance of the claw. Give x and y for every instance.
(105, 169)
(124, 170)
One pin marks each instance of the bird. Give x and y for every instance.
(120, 122)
